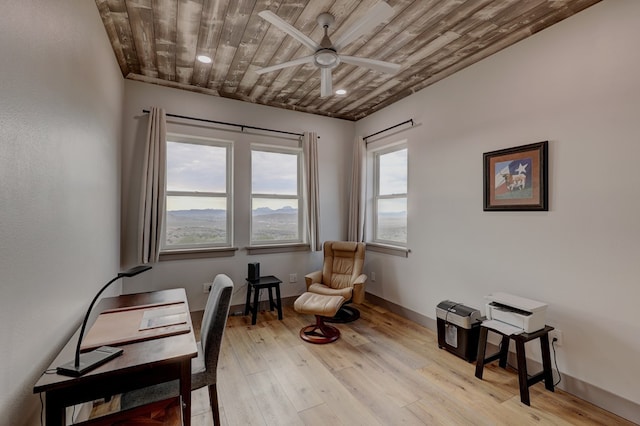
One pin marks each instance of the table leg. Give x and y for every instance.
(546, 362)
(271, 304)
(279, 301)
(504, 351)
(55, 411)
(185, 391)
(482, 347)
(256, 296)
(523, 378)
(247, 302)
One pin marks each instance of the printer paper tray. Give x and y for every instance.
(501, 327)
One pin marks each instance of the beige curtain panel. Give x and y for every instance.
(152, 198)
(355, 226)
(310, 149)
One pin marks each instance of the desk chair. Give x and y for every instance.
(204, 366)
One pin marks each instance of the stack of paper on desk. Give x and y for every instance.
(137, 323)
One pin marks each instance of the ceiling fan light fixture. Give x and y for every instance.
(204, 59)
(341, 92)
(326, 58)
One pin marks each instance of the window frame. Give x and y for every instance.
(376, 153)
(228, 145)
(300, 196)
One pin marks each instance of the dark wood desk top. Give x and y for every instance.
(137, 356)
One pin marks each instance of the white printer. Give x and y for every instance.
(527, 314)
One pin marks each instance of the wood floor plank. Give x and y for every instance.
(321, 415)
(275, 407)
(404, 375)
(343, 403)
(380, 401)
(335, 356)
(246, 349)
(291, 377)
(234, 387)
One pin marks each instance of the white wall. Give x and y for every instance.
(60, 114)
(577, 85)
(334, 150)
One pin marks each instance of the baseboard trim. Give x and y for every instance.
(588, 392)
(403, 312)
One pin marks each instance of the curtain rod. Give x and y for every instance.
(242, 126)
(388, 128)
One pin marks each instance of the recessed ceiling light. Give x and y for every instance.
(341, 92)
(204, 59)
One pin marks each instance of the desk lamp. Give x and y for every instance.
(90, 360)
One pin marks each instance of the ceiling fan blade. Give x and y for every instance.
(274, 19)
(374, 64)
(326, 88)
(374, 17)
(293, 63)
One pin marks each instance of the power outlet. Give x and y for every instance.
(373, 276)
(206, 287)
(557, 335)
(293, 278)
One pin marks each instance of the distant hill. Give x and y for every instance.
(210, 213)
(266, 210)
(394, 214)
(197, 212)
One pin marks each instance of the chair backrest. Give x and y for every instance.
(214, 320)
(343, 263)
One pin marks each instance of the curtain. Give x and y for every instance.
(310, 149)
(152, 197)
(355, 227)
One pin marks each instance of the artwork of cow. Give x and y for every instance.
(514, 181)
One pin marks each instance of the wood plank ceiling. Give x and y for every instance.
(157, 41)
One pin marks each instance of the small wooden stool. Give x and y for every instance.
(520, 339)
(321, 306)
(269, 282)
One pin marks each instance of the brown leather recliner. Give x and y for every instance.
(341, 275)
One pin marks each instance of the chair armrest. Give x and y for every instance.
(313, 277)
(358, 289)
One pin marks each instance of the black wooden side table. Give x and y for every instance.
(520, 339)
(269, 282)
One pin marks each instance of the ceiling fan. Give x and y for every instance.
(326, 56)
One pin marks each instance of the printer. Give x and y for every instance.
(527, 314)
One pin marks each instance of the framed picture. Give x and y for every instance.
(516, 178)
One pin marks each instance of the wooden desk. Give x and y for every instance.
(142, 364)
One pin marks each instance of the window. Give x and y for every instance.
(390, 195)
(199, 199)
(276, 201)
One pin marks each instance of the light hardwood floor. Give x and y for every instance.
(384, 370)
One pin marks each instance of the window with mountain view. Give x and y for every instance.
(390, 196)
(198, 203)
(276, 201)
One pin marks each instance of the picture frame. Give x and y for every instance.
(516, 179)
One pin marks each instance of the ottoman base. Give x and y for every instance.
(321, 306)
(319, 332)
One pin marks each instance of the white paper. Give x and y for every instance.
(163, 317)
(502, 327)
(451, 335)
(161, 312)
